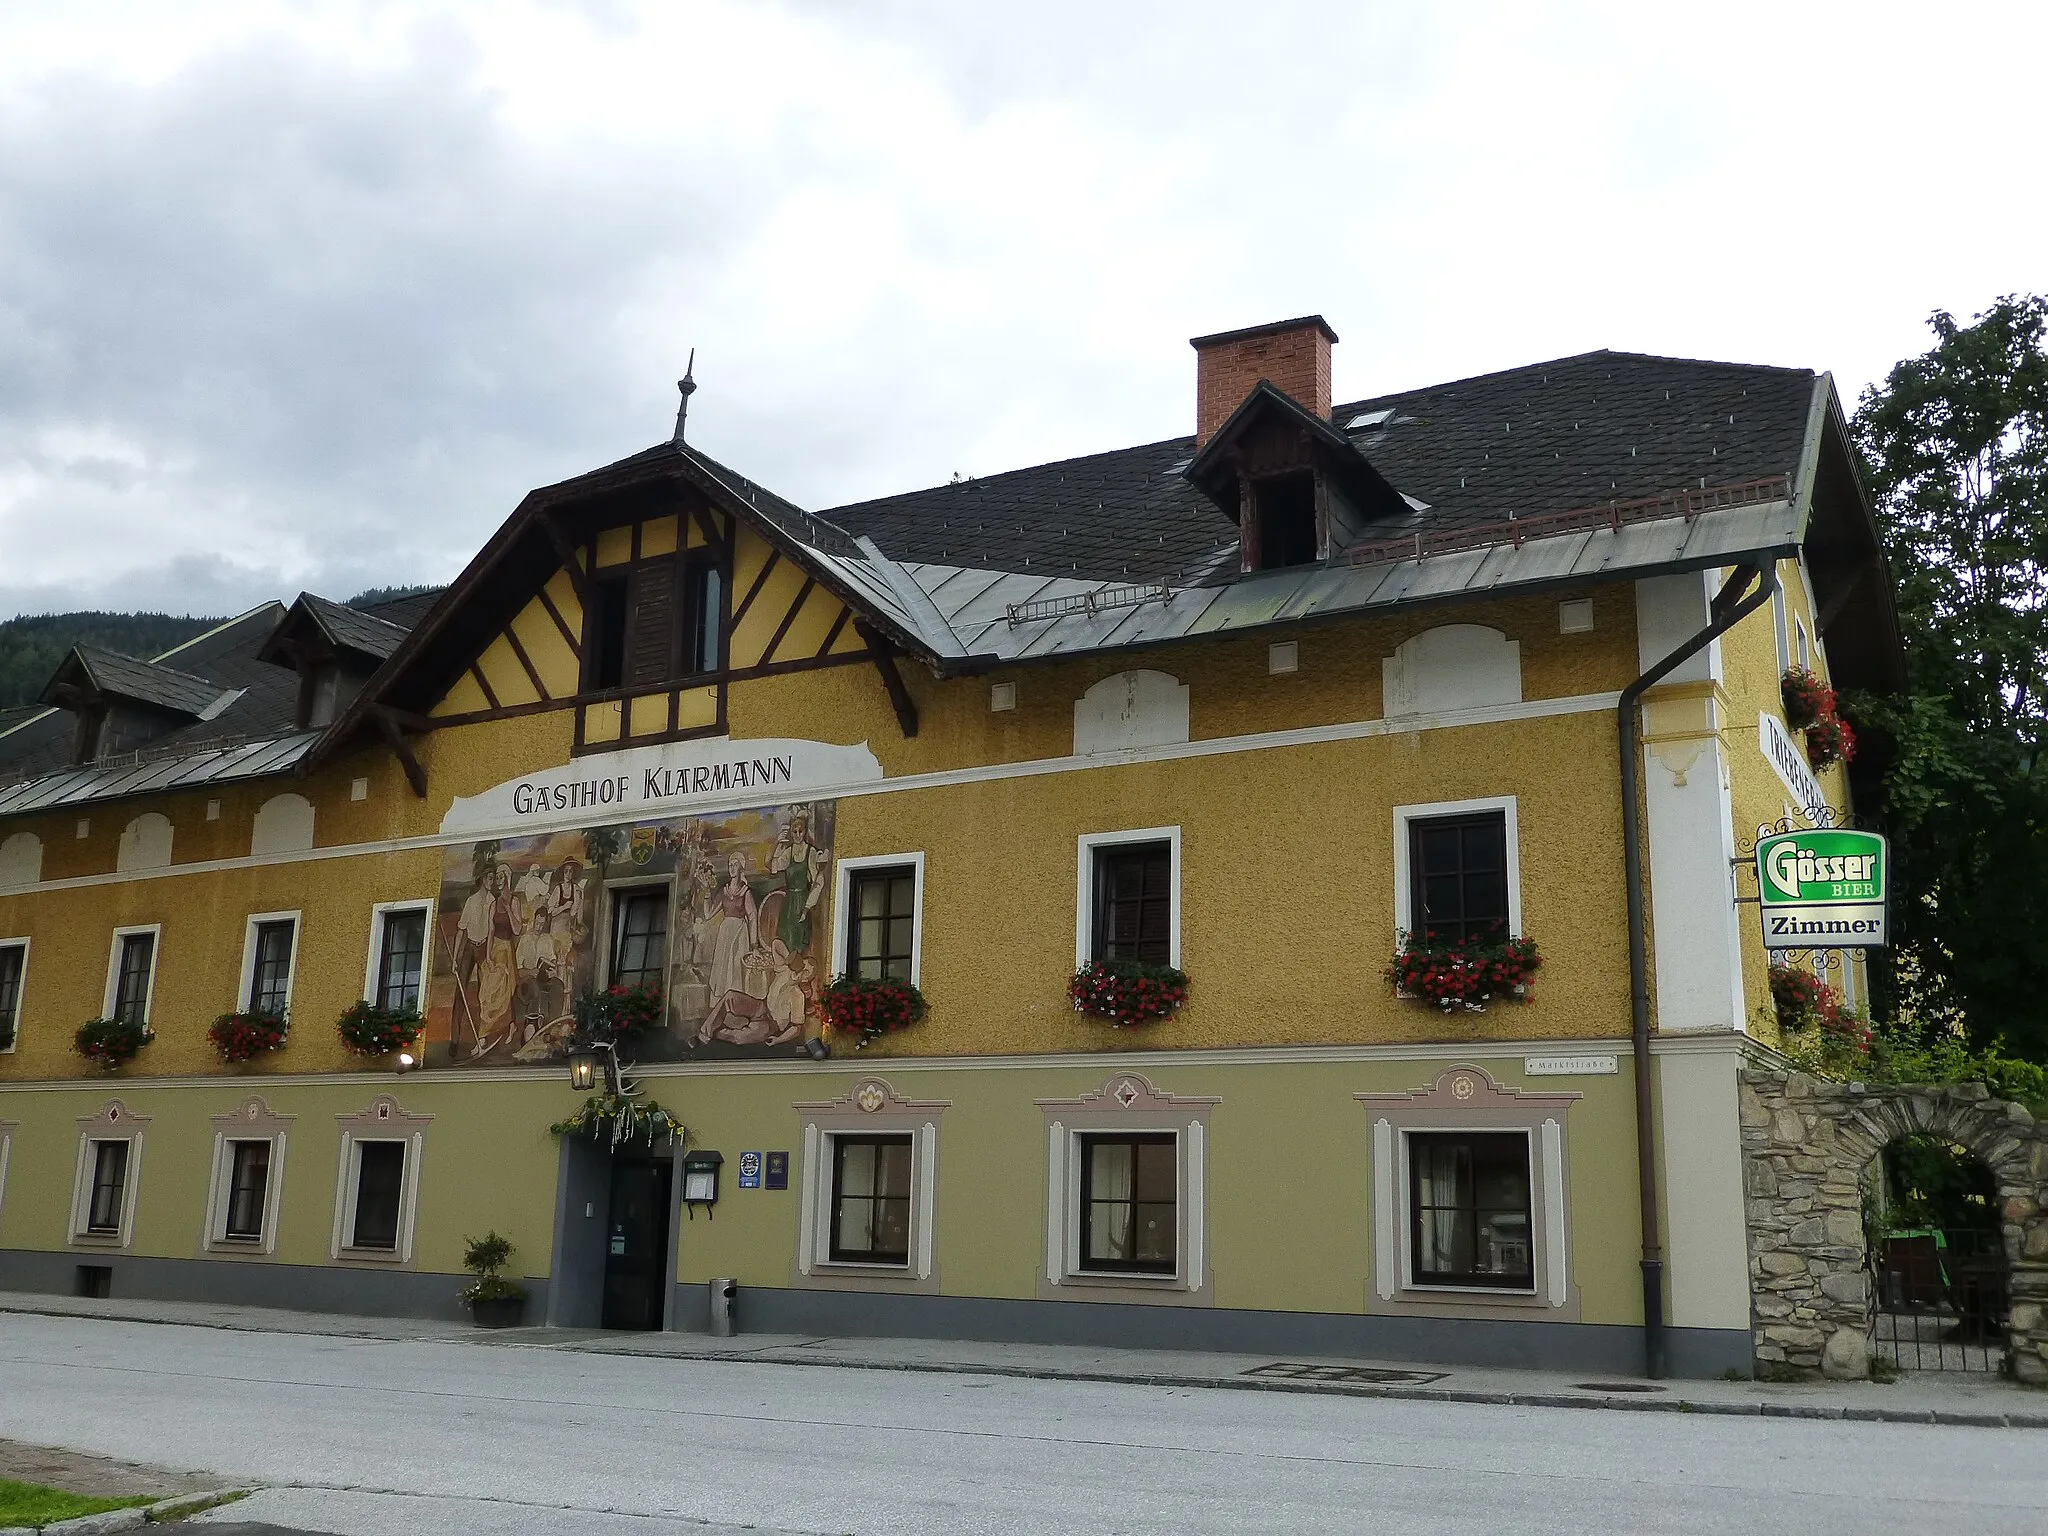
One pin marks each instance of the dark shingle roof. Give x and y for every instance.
(355, 629)
(1550, 437)
(129, 677)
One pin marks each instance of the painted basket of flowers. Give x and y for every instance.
(869, 1007)
(1127, 993)
(1466, 973)
(243, 1036)
(367, 1030)
(112, 1043)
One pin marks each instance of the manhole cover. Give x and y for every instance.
(1377, 1375)
(1616, 1386)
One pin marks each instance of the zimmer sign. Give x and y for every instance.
(1822, 890)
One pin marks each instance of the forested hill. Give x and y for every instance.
(31, 646)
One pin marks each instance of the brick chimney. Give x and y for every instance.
(1293, 354)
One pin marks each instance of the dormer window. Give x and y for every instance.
(123, 703)
(334, 649)
(656, 622)
(1285, 506)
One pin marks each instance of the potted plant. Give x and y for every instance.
(1796, 995)
(1127, 993)
(367, 1030)
(1468, 972)
(870, 1007)
(493, 1301)
(241, 1036)
(1806, 698)
(1829, 740)
(112, 1043)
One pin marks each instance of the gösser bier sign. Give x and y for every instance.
(1822, 890)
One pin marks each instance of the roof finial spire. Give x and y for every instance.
(688, 385)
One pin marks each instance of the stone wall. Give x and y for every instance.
(1805, 1145)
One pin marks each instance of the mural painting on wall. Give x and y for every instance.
(522, 920)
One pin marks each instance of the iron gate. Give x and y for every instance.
(1942, 1299)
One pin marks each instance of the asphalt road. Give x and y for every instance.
(370, 1437)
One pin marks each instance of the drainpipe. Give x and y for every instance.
(1730, 607)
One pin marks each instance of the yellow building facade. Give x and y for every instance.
(671, 734)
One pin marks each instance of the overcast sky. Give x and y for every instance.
(303, 294)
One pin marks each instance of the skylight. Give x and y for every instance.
(1369, 419)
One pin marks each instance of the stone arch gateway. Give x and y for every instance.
(1805, 1144)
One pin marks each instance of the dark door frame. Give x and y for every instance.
(577, 1263)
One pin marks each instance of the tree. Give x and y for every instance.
(1955, 444)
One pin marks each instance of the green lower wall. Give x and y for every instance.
(1288, 1168)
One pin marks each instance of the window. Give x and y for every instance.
(657, 621)
(1469, 1199)
(1134, 903)
(704, 613)
(1458, 875)
(400, 959)
(13, 974)
(270, 974)
(639, 936)
(134, 969)
(881, 924)
(1128, 1217)
(1287, 521)
(607, 634)
(871, 1199)
(109, 1188)
(379, 1192)
(248, 1189)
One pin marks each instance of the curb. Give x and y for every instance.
(1843, 1411)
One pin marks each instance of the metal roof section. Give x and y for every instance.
(138, 773)
(1008, 617)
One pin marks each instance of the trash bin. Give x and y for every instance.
(724, 1298)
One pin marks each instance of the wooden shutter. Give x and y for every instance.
(651, 631)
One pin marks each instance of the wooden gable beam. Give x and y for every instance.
(578, 578)
(540, 688)
(547, 602)
(415, 775)
(892, 680)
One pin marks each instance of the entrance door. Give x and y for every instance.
(636, 1278)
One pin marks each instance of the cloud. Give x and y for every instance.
(309, 295)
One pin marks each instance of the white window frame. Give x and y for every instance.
(349, 1186)
(1805, 643)
(380, 914)
(24, 944)
(265, 1240)
(821, 1155)
(1404, 1200)
(842, 907)
(1084, 886)
(7, 1129)
(1404, 874)
(81, 1189)
(607, 934)
(291, 970)
(1186, 1137)
(156, 965)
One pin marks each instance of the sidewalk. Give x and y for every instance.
(1916, 1398)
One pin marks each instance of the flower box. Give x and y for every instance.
(1829, 741)
(111, 1043)
(1127, 993)
(620, 1012)
(870, 1007)
(1467, 973)
(242, 1036)
(367, 1030)
(1806, 698)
